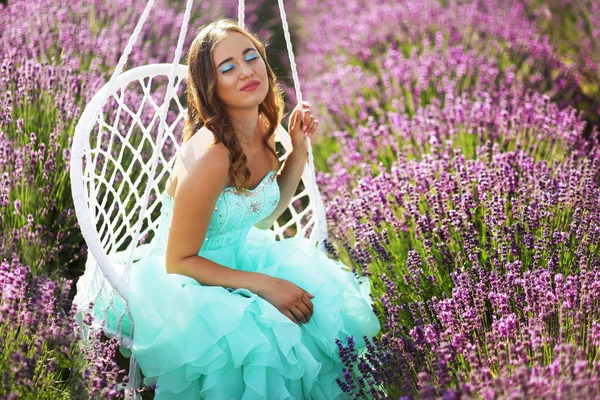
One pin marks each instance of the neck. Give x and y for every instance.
(245, 122)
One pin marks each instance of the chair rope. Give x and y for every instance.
(241, 12)
(122, 60)
(318, 229)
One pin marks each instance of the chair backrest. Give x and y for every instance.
(116, 167)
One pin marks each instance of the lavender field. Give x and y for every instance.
(458, 158)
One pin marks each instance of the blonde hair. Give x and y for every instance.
(205, 108)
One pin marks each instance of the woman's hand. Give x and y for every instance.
(302, 124)
(291, 300)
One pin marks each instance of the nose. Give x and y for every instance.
(247, 70)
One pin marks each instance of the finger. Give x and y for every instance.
(295, 118)
(299, 314)
(288, 314)
(308, 294)
(308, 304)
(313, 126)
(310, 129)
(304, 308)
(305, 104)
(307, 119)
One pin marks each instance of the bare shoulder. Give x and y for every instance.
(200, 152)
(199, 158)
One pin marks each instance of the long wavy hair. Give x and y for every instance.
(205, 108)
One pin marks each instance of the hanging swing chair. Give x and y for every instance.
(118, 171)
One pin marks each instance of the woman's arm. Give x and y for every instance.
(288, 180)
(202, 180)
(302, 125)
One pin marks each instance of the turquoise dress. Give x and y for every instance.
(210, 342)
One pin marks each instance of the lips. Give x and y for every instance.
(250, 85)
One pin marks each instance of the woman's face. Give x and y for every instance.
(238, 64)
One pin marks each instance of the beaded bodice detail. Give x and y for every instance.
(233, 216)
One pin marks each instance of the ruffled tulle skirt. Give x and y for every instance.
(209, 342)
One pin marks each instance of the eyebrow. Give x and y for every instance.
(231, 58)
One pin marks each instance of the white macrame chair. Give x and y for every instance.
(116, 180)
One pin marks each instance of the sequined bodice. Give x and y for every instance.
(232, 218)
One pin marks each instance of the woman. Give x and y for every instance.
(222, 310)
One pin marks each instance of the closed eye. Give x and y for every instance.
(251, 58)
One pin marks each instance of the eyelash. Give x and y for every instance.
(252, 59)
